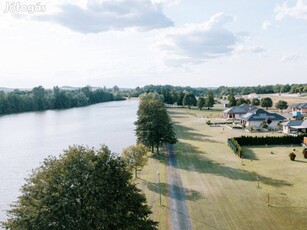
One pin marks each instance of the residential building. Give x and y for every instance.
(256, 117)
(294, 126)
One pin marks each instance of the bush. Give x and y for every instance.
(234, 145)
(292, 156)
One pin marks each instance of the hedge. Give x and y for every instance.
(236, 143)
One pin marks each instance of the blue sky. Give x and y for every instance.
(132, 43)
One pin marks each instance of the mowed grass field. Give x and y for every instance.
(223, 193)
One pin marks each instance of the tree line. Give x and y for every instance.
(170, 92)
(40, 99)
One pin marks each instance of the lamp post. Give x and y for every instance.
(258, 179)
(158, 173)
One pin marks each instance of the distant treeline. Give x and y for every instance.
(169, 91)
(40, 99)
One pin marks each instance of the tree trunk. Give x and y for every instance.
(158, 149)
(136, 172)
(152, 148)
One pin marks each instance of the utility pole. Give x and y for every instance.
(158, 173)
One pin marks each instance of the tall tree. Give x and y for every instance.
(255, 102)
(266, 102)
(136, 157)
(209, 99)
(232, 100)
(82, 189)
(281, 105)
(201, 103)
(153, 125)
(189, 100)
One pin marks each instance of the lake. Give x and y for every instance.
(27, 138)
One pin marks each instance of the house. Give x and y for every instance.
(224, 103)
(256, 117)
(236, 111)
(299, 109)
(294, 126)
(252, 96)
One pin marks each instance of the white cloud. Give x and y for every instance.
(298, 11)
(198, 43)
(104, 15)
(266, 25)
(290, 58)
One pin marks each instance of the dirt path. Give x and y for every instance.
(179, 216)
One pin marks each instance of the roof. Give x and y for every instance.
(257, 114)
(241, 109)
(296, 124)
(300, 106)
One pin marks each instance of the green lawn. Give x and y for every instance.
(222, 193)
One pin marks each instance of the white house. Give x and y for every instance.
(294, 127)
(236, 111)
(257, 116)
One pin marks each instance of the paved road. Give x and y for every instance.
(179, 212)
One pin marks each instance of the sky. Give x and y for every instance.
(129, 43)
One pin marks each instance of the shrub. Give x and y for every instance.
(292, 156)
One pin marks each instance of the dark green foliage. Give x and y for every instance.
(153, 125)
(240, 101)
(189, 100)
(82, 189)
(232, 100)
(255, 102)
(266, 102)
(281, 105)
(40, 99)
(234, 145)
(200, 103)
(209, 99)
(237, 142)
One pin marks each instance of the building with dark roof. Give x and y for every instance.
(236, 111)
(256, 116)
(301, 107)
(294, 126)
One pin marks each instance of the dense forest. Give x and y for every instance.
(40, 99)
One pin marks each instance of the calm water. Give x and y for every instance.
(26, 139)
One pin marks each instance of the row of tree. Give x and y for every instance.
(169, 92)
(40, 99)
(153, 125)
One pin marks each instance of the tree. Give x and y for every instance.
(180, 99)
(255, 102)
(281, 105)
(240, 101)
(82, 189)
(232, 100)
(266, 102)
(136, 157)
(153, 125)
(189, 100)
(201, 103)
(209, 99)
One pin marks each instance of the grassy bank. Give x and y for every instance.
(223, 193)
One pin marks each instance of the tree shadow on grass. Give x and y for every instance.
(249, 154)
(189, 194)
(191, 159)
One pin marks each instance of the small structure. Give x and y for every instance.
(294, 127)
(236, 111)
(298, 110)
(257, 117)
(252, 96)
